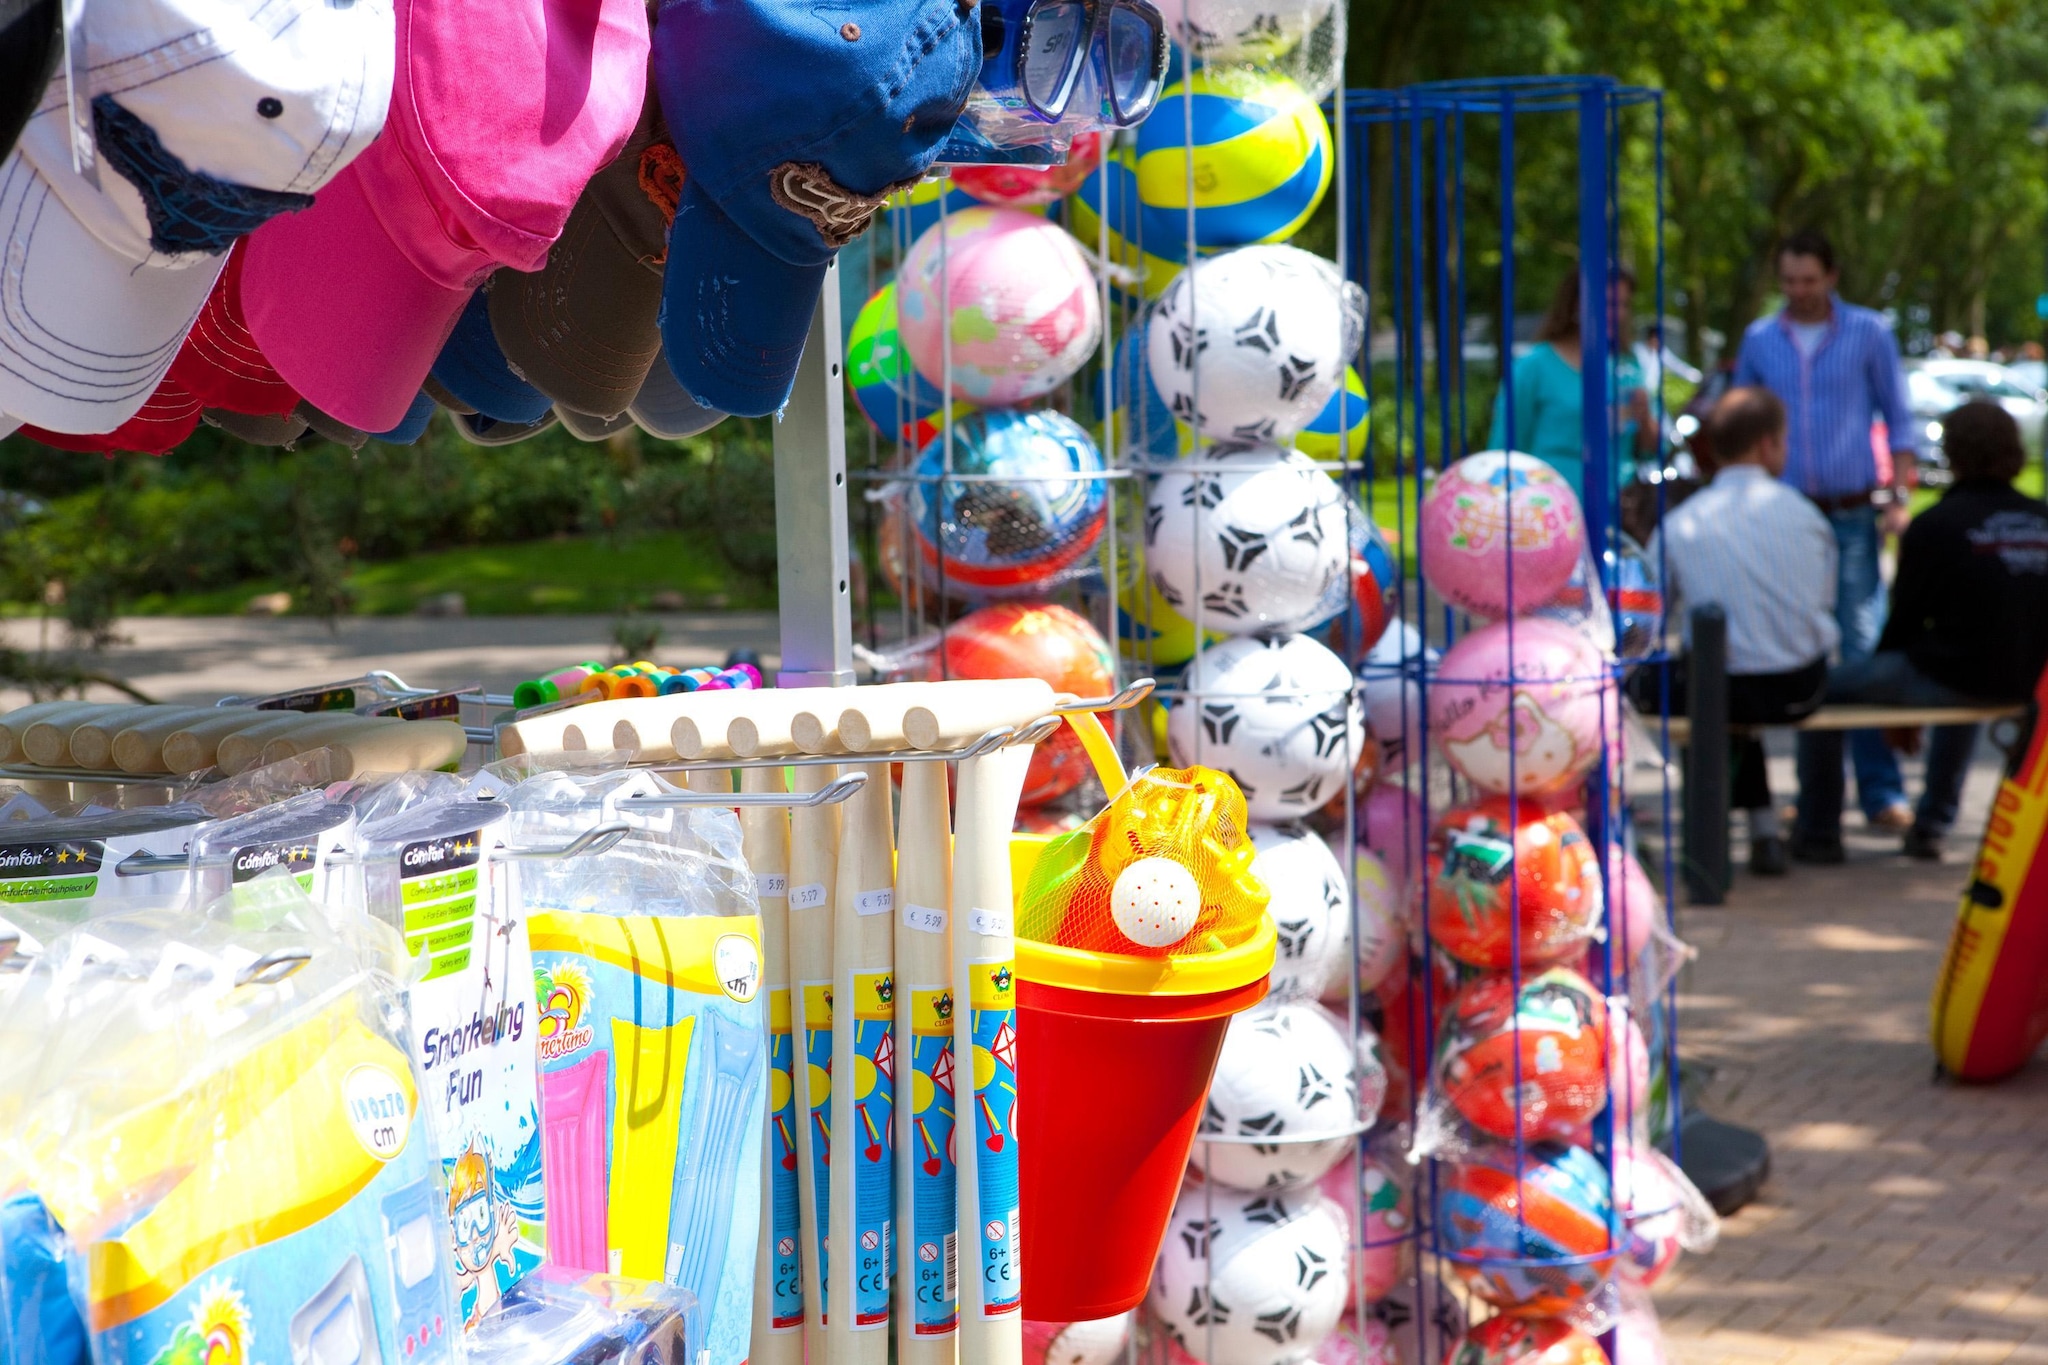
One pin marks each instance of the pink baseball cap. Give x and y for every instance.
(500, 115)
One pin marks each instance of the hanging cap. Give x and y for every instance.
(208, 118)
(166, 417)
(586, 426)
(474, 370)
(501, 114)
(220, 362)
(31, 41)
(664, 407)
(582, 328)
(839, 106)
(480, 430)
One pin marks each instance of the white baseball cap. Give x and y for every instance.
(209, 117)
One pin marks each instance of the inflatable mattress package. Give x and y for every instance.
(430, 871)
(559, 1316)
(66, 867)
(215, 1131)
(308, 838)
(652, 1042)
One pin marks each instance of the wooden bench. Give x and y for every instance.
(1857, 717)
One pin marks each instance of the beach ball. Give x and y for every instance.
(1510, 1340)
(1354, 1343)
(1258, 165)
(1504, 878)
(1383, 1249)
(1338, 432)
(1250, 1278)
(1487, 506)
(1311, 910)
(1635, 596)
(1634, 910)
(1138, 271)
(1255, 540)
(1535, 735)
(1241, 30)
(1515, 1228)
(901, 403)
(1628, 1067)
(1277, 714)
(1528, 1061)
(1011, 292)
(1375, 581)
(1035, 640)
(1392, 695)
(1249, 345)
(1100, 1341)
(1022, 186)
(1008, 535)
(1655, 1200)
(1393, 827)
(914, 210)
(1287, 1074)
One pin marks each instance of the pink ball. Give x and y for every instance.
(1652, 1205)
(1033, 184)
(1391, 823)
(1014, 295)
(1638, 1336)
(1539, 735)
(1381, 920)
(1481, 506)
(1628, 1065)
(1382, 1256)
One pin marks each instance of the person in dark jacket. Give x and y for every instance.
(1968, 625)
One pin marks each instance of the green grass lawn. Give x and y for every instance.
(572, 575)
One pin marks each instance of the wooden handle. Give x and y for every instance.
(92, 744)
(194, 747)
(409, 746)
(765, 728)
(813, 854)
(138, 746)
(47, 741)
(16, 723)
(927, 1196)
(953, 714)
(318, 732)
(242, 750)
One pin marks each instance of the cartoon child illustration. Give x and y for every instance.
(486, 1235)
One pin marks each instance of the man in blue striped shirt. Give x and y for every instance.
(1836, 367)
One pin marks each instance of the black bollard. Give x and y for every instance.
(1707, 875)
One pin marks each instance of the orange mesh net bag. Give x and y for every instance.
(1163, 870)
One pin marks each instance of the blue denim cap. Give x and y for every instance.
(409, 431)
(473, 368)
(794, 120)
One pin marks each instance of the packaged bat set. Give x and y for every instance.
(216, 1139)
(651, 1037)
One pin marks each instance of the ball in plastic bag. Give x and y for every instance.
(1382, 923)
(1005, 536)
(1250, 345)
(1250, 1279)
(1482, 508)
(1638, 1335)
(1020, 186)
(1634, 910)
(1375, 579)
(1259, 542)
(1420, 1318)
(1538, 735)
(1155, 902)
(1510, 1340)
(1392, 826)
(1383, 1253)
(1393, 698)
(913, 211)
(1277, 715)
(1628, 1068)
(1530, 1062)
(1311, 910)
(1505, 877)
(1241, 30)
(1145, 426)
(1652, 1205)
(1338, 432)
(1635, 595)
(1036, 640)
(901, 403)
(1261, 162)
(1515, 1230)
(1140, 273)
(1287, 1073)
(1099, 1341)
(1012, 293)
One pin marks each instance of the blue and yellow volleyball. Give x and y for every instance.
(1145, 428)
(1251, 146)
(1138, 272)
(1339, 430)
(901, 403)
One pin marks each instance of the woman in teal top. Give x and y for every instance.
(1549, 417)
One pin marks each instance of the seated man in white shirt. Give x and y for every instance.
(1761, 551)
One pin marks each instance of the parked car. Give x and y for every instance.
(1937, 386)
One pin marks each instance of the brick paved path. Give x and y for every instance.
(1905, 1220)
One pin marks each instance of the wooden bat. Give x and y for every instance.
(777, 1337)
(766, 728)
(244, 748)
(923, 715)
(984, 1025)
(92, 744)
(16, 723)
(138, 746)
(813, 857)
(409, 746)
(318, 732)
(47, 740)
(928, 1257)
(191, 748)
(863, 1076)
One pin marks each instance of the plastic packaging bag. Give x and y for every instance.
(652, 1041)
(558, 1316)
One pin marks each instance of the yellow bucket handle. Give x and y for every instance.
(1095, 741)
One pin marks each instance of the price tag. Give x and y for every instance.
(924, 918)
(773, 884)
(996, 922)
(807, 897)
(875, 902)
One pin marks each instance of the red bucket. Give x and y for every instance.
(1111, 1082)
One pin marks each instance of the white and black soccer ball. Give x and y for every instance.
(1278, 715)
(1249, 345)
(1096, 1341)
(1392, 696)
(1311, 910)
(1288, 1074)
(1251, 1279)
(1256, 540)
(1242, 30)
